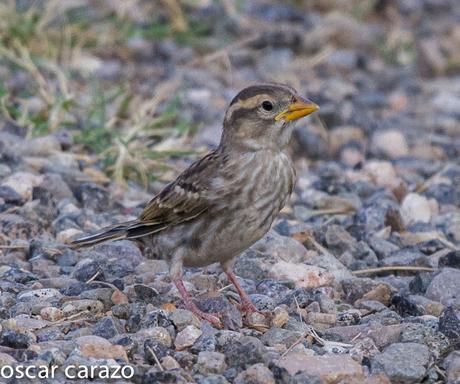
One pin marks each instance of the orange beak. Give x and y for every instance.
(298, 109)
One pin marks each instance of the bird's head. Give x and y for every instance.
(262, 116)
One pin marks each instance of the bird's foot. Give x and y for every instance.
(248, 308)
(212, 318)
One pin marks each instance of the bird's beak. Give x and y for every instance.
(299, 108)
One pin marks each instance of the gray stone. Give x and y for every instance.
(104, 295)
(211, 379)
(159, 334)
(445, 287)
(255, 374)
(403, 362)
(452, 259)
(75, 306)
(421, 333)
(108, 327)
(182, 318)
(276, 336)
(17, 340)
(211, 362)
(449, 325)
(187, 337)
(55, 184)
(262, 302)
(452, 365)
(87, 269)
(93, 196)
(244, 352)
(122, 251)
(281, 247)
(98, 348)
(45, 295)
(122, 311)
(330, 368)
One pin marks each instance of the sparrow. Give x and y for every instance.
(227, 200)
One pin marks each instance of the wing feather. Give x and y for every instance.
(185, 198)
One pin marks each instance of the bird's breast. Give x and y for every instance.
(263, 184)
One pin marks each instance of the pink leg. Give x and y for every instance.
(246, 303)
(190, 305)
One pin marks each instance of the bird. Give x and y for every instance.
(226, 201)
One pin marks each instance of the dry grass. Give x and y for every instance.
(51, 46)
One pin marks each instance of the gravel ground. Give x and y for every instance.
(361, 270)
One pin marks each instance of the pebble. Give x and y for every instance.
(154, 350)
(92, 196)
(444, 287)
(243, 352)
(6, 359)
(381, 293)
(118, 297)
(108, 327)
(321, 321)
(52, 314)
(99, 348)
(451, 259)
(211, 362)
(73, 307)
(87, 269)
(449, 325)
(329, 368)
(276, 336)
(452, 363)
(43, 295)
(304, 276)
(416, 208)
(281, 247)
(382, 173)
(257, 374)
(17, 340)
(411, 369)
(183, 318)
(258, 321)
(391, 143)
(159, 334)
(24, 324)
(280, 317)
(169, 363)
(187, 337)
(22, 183)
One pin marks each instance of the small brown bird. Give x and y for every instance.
(227, 200)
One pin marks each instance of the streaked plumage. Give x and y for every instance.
(226, 201)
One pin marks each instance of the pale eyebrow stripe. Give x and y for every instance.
(249, 103)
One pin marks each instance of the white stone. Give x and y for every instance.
(391, 143)
(23, 183)
(417, 208)
(382, 174)
(304, 276)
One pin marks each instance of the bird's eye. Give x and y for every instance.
(267, 105)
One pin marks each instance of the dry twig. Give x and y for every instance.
(392, 268)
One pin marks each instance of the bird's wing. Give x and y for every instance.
(183, 199)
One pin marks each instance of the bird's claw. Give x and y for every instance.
(247, 307)
(212, 318)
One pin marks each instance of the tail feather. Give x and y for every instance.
(129, 230)
(99, 237)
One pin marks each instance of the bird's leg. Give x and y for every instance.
(189, 303)
(246, 304)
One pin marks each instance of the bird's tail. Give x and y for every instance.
(129, 230)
